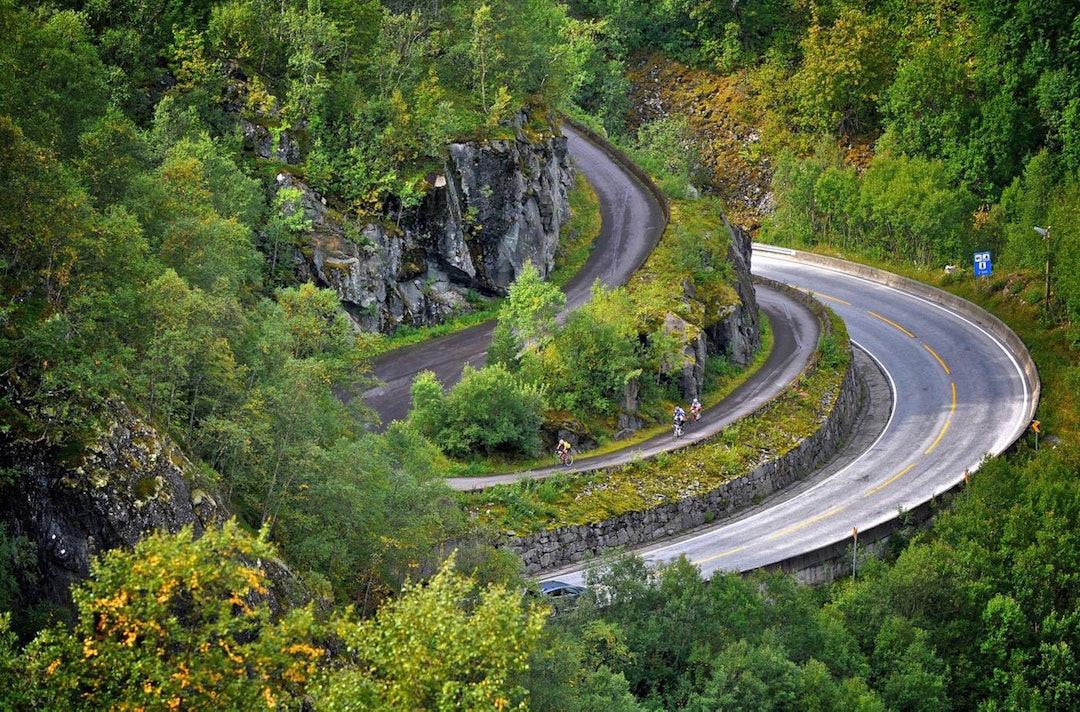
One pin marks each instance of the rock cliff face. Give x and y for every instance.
(495, 206)
(732, 329)
(129, 482)
(736, 330)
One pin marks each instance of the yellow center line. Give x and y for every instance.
(807, 523)
(934, 354)
(883, 485)
(952, 409)
(838, 300)
(890, 322)
(939, 437)
(721, 555)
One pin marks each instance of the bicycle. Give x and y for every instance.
(677, 430)
(565, 457)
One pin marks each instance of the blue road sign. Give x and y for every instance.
(983, 265)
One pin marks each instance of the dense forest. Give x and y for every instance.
(140, 244)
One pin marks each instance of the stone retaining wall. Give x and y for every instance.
(566, 546)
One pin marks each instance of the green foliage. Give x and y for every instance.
(587, 367)
(904, 207)
(929, 103)
(531, 308)
(488, 411)
(54, 83)
(187, 622)
(683, 643)
(11, 667)
(443, 645)
(600, 87)
(668, 151)
(364, 513)
(845, 67)
(504, 347)
(128, 268)
(18, 557)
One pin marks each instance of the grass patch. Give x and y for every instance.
(378, 344)
(578, 236)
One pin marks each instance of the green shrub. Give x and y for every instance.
(490, 410)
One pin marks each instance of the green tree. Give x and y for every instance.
(912, 211)
(54, 84)
(668, 150)
(428, 404)
(797, 216)
(930, 104)
(911, 675)
(836, 200)
(112, 154)
(587, 366)
(69, 279)
(443, 645)
(527, 320)
(845, 68)
(198, 210)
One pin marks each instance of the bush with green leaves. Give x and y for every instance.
(489, 411)
(587, 366)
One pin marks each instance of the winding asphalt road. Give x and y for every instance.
(631, 224)
(795, 336)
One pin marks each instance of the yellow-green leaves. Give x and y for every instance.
(178, 622)
(444, 645)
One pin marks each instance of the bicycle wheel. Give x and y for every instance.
(569, 459)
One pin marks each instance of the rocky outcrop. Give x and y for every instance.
(689, 370)
(735, 329)
(280, 146)
(730, 328)
(130, 481)
(496, 205)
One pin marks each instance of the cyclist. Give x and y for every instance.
(678, 419)
(563, 450)
(695, 409)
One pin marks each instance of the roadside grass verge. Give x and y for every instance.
(579, 234)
